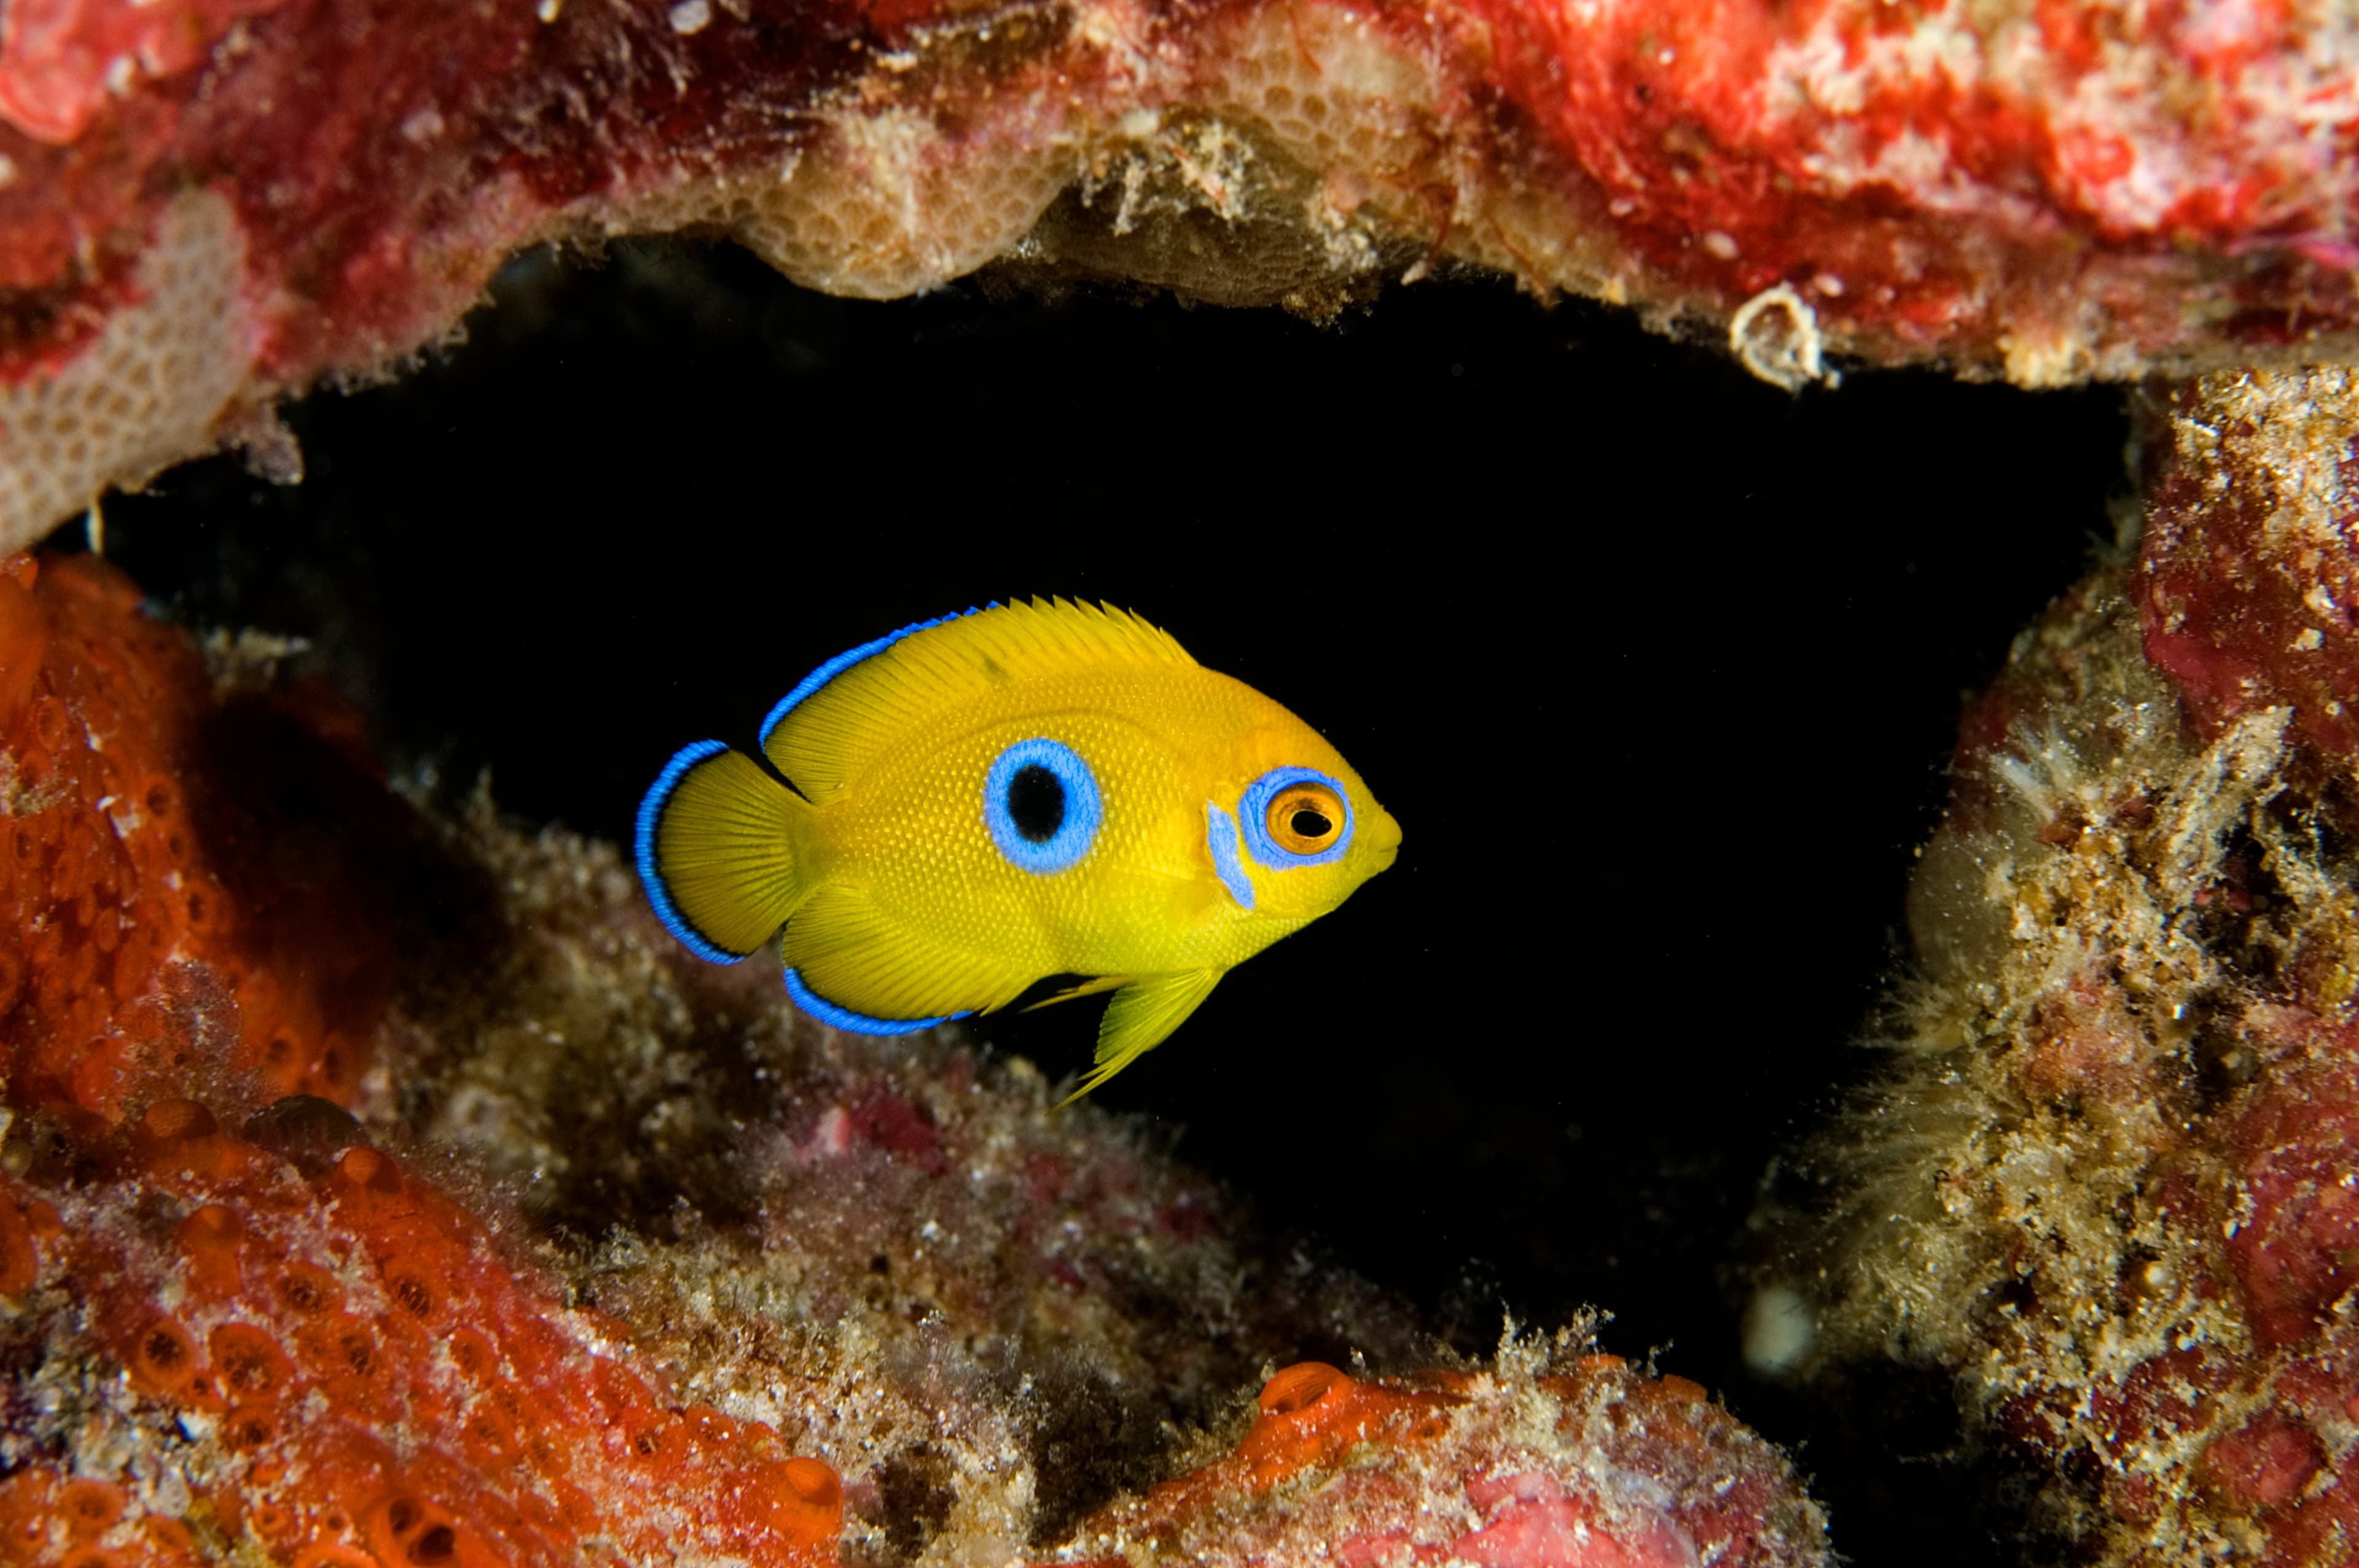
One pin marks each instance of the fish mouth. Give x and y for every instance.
(1384, 837)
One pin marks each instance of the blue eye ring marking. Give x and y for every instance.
(1221, 839)
(1252, 815)
(643, 843)
(1079, 814)
(852, 1022)
(845, 661)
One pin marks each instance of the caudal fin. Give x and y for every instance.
(716, 848)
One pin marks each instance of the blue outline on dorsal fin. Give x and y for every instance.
(843, 662)
(643, 842)
(798, 991)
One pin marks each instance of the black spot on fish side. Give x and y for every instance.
(1035, 802)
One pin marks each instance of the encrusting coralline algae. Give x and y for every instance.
(207, 205)
(383, 1187)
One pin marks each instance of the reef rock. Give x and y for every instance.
(2113, 1187)
(1591, 1467)
(208, 204)
(382, 1188)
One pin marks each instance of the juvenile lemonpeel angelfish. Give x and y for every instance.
(982, 803)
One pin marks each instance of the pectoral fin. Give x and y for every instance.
(1141, 1016)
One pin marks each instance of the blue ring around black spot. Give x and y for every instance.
(1084, 809)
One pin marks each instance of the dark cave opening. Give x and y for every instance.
(1708, 639)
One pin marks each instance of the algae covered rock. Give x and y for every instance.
(2108, 1189)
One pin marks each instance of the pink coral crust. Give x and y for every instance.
(2041, 190)
(1596, 1467)
(60, 60)
(2266, 1427)
(2251, 584)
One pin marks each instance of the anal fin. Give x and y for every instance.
(1065, 988)
(1142, 1016)
(857, 959)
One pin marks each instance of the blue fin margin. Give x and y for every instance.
(643, 843)
(845, 661)
(843, 1018)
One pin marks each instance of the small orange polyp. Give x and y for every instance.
(20, 1263)
(806, 1501)
(163, 1358)
(1297, 1388)
(209, 1238)
(89, 1507)
(362, 1169)
(249, 1362)
(180, 1136)
(1311, 1413)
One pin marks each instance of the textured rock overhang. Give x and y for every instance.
(205, 204)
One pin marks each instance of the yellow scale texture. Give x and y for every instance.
(903, 906)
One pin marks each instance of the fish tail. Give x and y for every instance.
(720, 848)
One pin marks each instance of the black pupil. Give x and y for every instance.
(1310, 823)
(1036, 802)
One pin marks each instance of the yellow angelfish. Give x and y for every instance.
(1028, 793)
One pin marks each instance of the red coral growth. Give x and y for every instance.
(366, 1381)
(2251, 584)
(1597, 1467)
(156, 907)
(2044, 192)
(2257, 1429)
(62, 60)
(356, 1372)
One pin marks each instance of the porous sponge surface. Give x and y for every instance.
(144, 390)
(151, 912)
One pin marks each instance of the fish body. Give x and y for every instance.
(1027, 793)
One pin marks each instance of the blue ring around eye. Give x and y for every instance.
(1253, 816)
(1077, 809)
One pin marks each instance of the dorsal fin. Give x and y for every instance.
(857, 703)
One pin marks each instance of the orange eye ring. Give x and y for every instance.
(1304, 818)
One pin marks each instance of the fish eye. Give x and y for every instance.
(1305, 818)
(1040, 804)
(1295, 817)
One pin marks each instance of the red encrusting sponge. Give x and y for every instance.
(315, 1351)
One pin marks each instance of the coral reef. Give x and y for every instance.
(2110, 1188)
(1591, 1467)
(416, 1200)
(206, 204)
